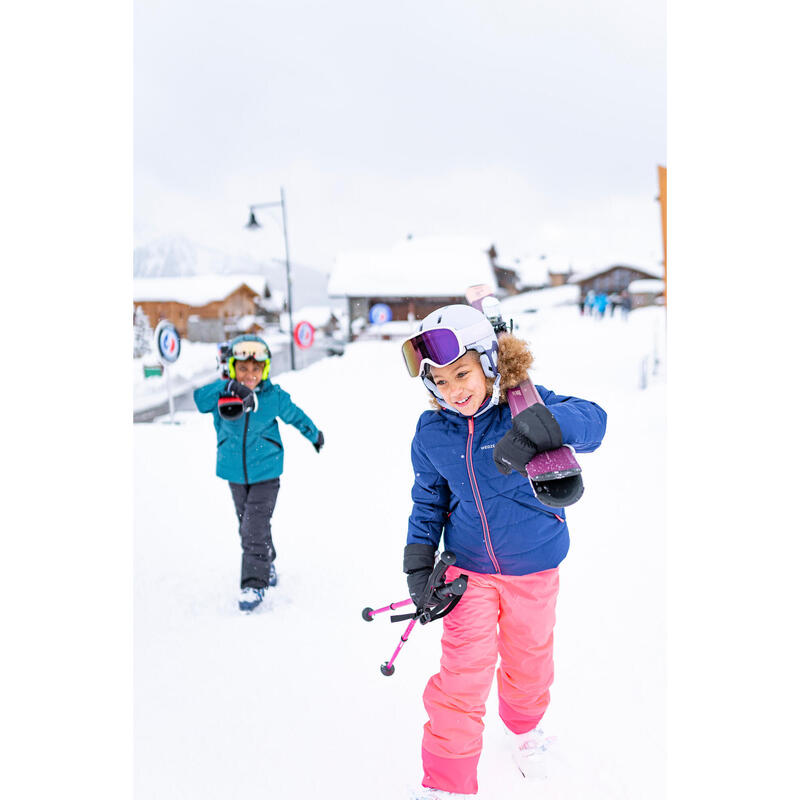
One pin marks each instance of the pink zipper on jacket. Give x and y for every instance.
(473, 482)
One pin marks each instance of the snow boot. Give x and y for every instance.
(273, 575)
(530, 753)
(424, 793)
(250, 597)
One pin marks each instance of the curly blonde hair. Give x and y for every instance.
(514, 359)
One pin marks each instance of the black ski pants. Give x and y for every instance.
(255, 503)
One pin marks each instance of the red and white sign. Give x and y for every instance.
(304, 334)
(168, 341)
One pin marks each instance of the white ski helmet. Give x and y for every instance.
(473, 331)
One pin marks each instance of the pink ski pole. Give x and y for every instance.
(369, 614)
(388, 667)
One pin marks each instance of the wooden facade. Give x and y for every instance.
(558, 278)
(612, 280)
(403, 308)
(239, 303)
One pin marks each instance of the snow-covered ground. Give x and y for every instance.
(289, 702)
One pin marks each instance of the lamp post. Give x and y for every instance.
(252, 224)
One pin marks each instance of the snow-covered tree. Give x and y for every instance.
(142, 333)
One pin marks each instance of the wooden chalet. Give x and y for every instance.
(413, 278)
(611, 280)
(190, 302)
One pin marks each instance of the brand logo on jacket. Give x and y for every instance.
(487, 447)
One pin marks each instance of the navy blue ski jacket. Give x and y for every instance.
(492, 522)
(249, 449)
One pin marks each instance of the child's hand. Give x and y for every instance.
(418, 562)
(239, 389)
(534, 430)
(513, 452)
(320, 441)
(236, 399)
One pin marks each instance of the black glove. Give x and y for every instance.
(320, 441)
(247, 396)
(239, 389)
(534, 430)
(418, 562)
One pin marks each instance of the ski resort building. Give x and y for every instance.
(413, 278)
(208, 308)
(612, 280)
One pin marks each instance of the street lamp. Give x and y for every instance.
(252, 224)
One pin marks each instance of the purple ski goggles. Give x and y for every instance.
(440, 347)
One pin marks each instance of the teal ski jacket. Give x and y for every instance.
(249, 449)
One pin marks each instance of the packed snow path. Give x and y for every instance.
(289, 702)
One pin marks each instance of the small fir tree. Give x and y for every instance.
(142, 333)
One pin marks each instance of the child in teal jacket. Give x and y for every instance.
(246, 409)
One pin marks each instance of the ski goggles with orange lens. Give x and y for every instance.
(258, 351)
(439, 347)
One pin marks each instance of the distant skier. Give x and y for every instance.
(600, 303)
(470, 483)
(246, 409)
(588, 303)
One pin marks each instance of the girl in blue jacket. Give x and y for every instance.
(470, 485)
(246, 409)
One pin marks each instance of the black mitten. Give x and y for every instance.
(418, 560)
(239, 389)
(320, 441)
(533, 430)
(537, 424)
(513, 451)
(248, 397)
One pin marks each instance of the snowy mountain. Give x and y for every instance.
(179, 257)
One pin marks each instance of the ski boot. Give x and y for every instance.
(529, 753)
(273, 575)
(250, 597)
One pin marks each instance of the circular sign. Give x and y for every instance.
(380, 313)
(168, 342)
(304, 334)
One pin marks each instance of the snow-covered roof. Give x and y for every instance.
(245, 321)
(316, 315)
(530, 271)
(274, 302)
(535, 271)
(423, 267)
(646, 286)
(540, 298)
(193, 290)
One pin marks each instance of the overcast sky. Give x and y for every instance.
(537, 125)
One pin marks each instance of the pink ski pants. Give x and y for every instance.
(507, 615)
